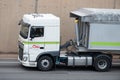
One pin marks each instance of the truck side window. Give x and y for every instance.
(37, 32)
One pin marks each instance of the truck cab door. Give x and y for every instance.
(36, 42)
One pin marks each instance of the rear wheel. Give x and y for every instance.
(45, 63)
(102, 63)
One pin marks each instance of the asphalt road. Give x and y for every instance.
(12, 70)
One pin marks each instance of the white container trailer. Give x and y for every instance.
(97, 33)
(99, 29)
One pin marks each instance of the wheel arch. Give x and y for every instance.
(109, 56)
(51, 54)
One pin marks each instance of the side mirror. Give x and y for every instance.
(32, 36)
(20, 22)
(32, 32)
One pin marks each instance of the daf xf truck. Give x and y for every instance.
(97, 35)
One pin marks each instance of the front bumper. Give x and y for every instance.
(28, 64)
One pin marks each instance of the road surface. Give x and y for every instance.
(10, 69)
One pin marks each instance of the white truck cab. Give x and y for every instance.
(39, 35)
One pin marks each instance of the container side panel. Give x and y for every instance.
(104, 36)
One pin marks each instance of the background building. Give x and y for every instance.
(11, 11)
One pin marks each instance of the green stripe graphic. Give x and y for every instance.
(105, 43)
(41, 42)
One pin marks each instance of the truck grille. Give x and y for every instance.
(20, 53)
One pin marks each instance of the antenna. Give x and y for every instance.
(114, 5)
(36, 6)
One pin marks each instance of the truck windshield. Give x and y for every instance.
(24, 31)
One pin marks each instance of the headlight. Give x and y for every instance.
(25, 58)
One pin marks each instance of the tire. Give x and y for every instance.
(102, 63)
(45, 63)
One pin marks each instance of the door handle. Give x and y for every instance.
(41, 47)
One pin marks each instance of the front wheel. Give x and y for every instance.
(102, 63)
(45, 63)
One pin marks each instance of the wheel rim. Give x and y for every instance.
(102, 64)
(45, 63)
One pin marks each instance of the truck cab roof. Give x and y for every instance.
(41, 19)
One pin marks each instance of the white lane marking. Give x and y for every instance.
(8, 62)
(115, 63)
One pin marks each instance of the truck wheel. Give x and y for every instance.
(45, 63)
(102, 63)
